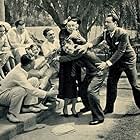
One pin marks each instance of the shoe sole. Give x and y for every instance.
(94, 123)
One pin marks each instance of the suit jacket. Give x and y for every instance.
(119, 46)
(18, 77)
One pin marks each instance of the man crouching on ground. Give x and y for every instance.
(16, 87)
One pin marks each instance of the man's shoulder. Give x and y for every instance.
(44, 43)
(17, 67)
(26, 31)
(121, 31)
(56, 42)
(13, 29)
(4, 37)
(14, 73)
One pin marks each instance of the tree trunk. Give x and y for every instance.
(2, 10)
(138, 16)
(138, 10)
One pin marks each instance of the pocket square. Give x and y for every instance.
(116, 43)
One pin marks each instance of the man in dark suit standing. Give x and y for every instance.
(122, 58)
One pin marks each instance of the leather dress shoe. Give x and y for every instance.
(83, 110)
(41, 106)
(65, 115)
(76, 115)
(107, 111)
(96, 122)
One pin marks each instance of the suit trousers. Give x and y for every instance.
(88, 61)
(91, 85)
(113, 78)
(18, 96)
(13, 98)
(94, 97)
(30, 99)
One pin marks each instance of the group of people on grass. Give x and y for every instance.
(25, 86)
(26, 82)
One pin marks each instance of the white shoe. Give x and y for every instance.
(41, 106)
(48, 104)
(31, 109)
(12, 118)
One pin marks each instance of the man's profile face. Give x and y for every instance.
(2, 31)
(72, 26)
(109, 24)
(50, 36)
(21, 28)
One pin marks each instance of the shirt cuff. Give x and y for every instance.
(90, 45)
(109, 63)
(48, 65)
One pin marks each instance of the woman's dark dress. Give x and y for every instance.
(67, 84)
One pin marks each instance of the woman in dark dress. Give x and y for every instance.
(68, 84)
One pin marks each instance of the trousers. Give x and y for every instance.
(91, 85)
(18, 96)
(13, 98)
(115, 72)
(94, 96)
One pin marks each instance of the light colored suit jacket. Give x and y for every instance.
(18, 77)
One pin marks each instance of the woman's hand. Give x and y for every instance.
(74, 34)
(82, 48)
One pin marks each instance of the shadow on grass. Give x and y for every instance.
(57, 118)
(118, 116)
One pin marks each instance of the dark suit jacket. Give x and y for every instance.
(119, 46)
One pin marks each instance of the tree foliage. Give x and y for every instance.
(90, 12)
(28, 10)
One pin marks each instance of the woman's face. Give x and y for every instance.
(72, 26)
(35, 50)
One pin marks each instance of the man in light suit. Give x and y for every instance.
(19, 39)
(122, 58)
(17, 90)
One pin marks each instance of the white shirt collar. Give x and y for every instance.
(112, 33)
